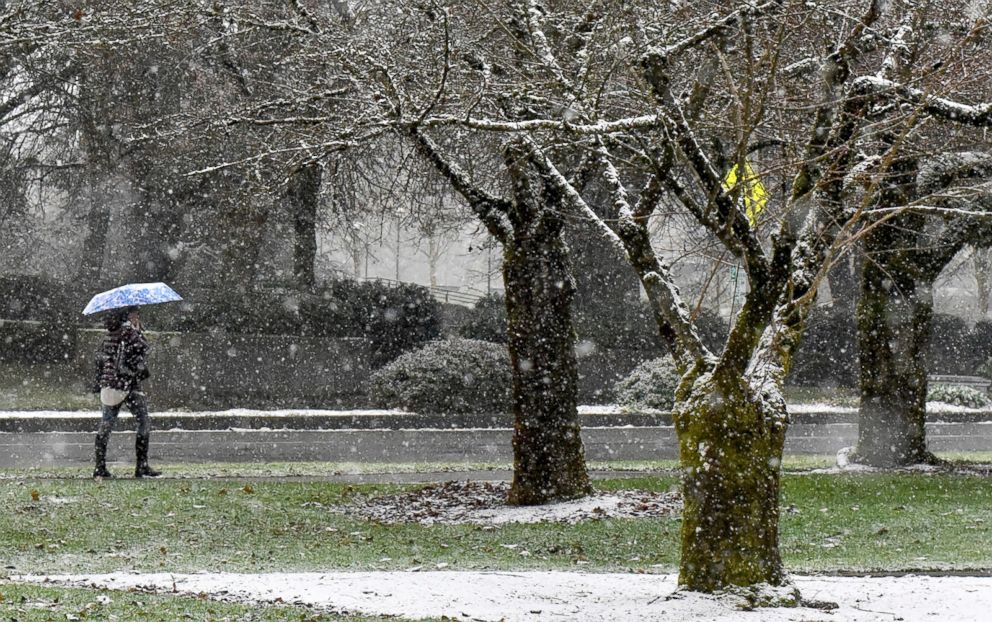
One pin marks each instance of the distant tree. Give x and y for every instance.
(905, 253)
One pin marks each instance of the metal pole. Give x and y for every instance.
(733, 297)
(489, 268)
(397, 248)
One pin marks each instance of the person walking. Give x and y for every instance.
(121, 365)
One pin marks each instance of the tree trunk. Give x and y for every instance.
(845, 279)
(95, 244)
(894, 322)
(303, 196)
(242, 244)
(548, 459)
(982, 261)
(156, 241)
(730, 446)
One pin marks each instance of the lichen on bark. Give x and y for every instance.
(730, 446)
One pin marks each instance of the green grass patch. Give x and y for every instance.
(834, 396)
(829, 522)
(258, 470)
(886, 522)
(966, 457)
(43, 387)
(30, 603)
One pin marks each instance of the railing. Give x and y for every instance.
(974, 382)
(440, 293)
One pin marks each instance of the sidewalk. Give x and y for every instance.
(550, 596)
(41, 439)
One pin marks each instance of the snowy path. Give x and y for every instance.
(547, 596)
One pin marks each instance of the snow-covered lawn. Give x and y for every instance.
(554, 596)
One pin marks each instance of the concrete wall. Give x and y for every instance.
(206, 370)
(217, 370)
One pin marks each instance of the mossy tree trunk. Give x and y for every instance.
(894, 322)
(730, 447)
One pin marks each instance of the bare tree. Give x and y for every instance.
(707, 92)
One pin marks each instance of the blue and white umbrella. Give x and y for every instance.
(130, 296)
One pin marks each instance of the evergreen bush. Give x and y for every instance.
(949, 351)
(828, 352)
(45, 317)
(447, 376)
(712, 329)
(980, 341)
(393, 319)
(628, 324)
(488, 321)
(651, 384)
(958, 396)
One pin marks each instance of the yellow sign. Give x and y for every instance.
(755, 195)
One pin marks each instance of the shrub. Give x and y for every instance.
(488, 321)
(981, 348)
(49, 333)
(400, 319)
(393, 319)
(949, 348)
(652, 384)
(959, 396)
(828, 353)
(628, 324)
(450, 376)
(712, 329)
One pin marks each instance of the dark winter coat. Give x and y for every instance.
(121, 361)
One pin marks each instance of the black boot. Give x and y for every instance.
(102, 438)
(141, 468)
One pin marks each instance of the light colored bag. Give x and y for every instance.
(108, 395)
(111, 397)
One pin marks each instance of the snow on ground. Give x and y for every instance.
(547, 596)
(234, 412)
(607, 409)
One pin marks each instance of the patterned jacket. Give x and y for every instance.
(121, 361)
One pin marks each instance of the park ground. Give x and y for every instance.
(295, 542)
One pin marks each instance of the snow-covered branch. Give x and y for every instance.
(632, 242)
(978, 115)
(491, 210)
(718, 27)
(616, 126)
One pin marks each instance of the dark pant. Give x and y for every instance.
(138, 405)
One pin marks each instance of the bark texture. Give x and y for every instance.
(894, 322)
(730, 445)
(302, 197)
(548, 457)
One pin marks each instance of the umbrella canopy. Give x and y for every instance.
(131, 295)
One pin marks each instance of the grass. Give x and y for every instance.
(834, 396)
(43, 387)
(830, 523)
(29, 603)
(301, 470)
